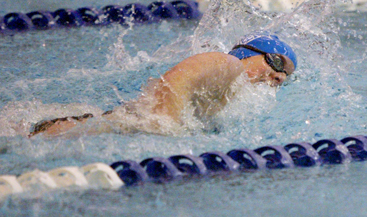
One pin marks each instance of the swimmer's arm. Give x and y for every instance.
(73, 126)
(203, 73)
(211, 73)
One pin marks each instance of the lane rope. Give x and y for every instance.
(162, 170)
(134, 13)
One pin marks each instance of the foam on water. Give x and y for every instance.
(292, 115)
(256, 116)
(311, 30)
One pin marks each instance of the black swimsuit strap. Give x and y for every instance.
(44, 125)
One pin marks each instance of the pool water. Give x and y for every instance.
(62, 72)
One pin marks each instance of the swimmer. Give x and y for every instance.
(202, 82)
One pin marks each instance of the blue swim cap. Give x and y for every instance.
(266, 43)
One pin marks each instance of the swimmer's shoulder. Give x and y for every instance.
(214, 56)
(206, 62)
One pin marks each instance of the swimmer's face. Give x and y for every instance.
(259, 70)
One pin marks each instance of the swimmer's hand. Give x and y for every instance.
(59, 125)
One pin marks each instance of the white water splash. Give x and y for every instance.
(16, 118)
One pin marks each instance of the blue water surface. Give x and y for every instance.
(43, 72)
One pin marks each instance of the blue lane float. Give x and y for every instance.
(187, 9)
(68, 18)
(248, 159)
(130, 172)
(160, 169)
(276, 157)
(17, 21)
(326, 151)
(181, 167)
(357, 146)
(189, 164)
(332, 151)
(163, 10)
(216, 161)
(303, 154)
(89, 16)
(137, 13)
(114, 14)
(41, 19)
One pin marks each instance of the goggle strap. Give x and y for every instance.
(261, 52)
(249, 47)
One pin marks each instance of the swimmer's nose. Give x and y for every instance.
(277, 78)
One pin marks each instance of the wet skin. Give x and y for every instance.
(203, 80)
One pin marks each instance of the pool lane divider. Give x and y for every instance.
(134, 13)
(162, 170)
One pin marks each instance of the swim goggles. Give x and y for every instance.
(275, 61)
